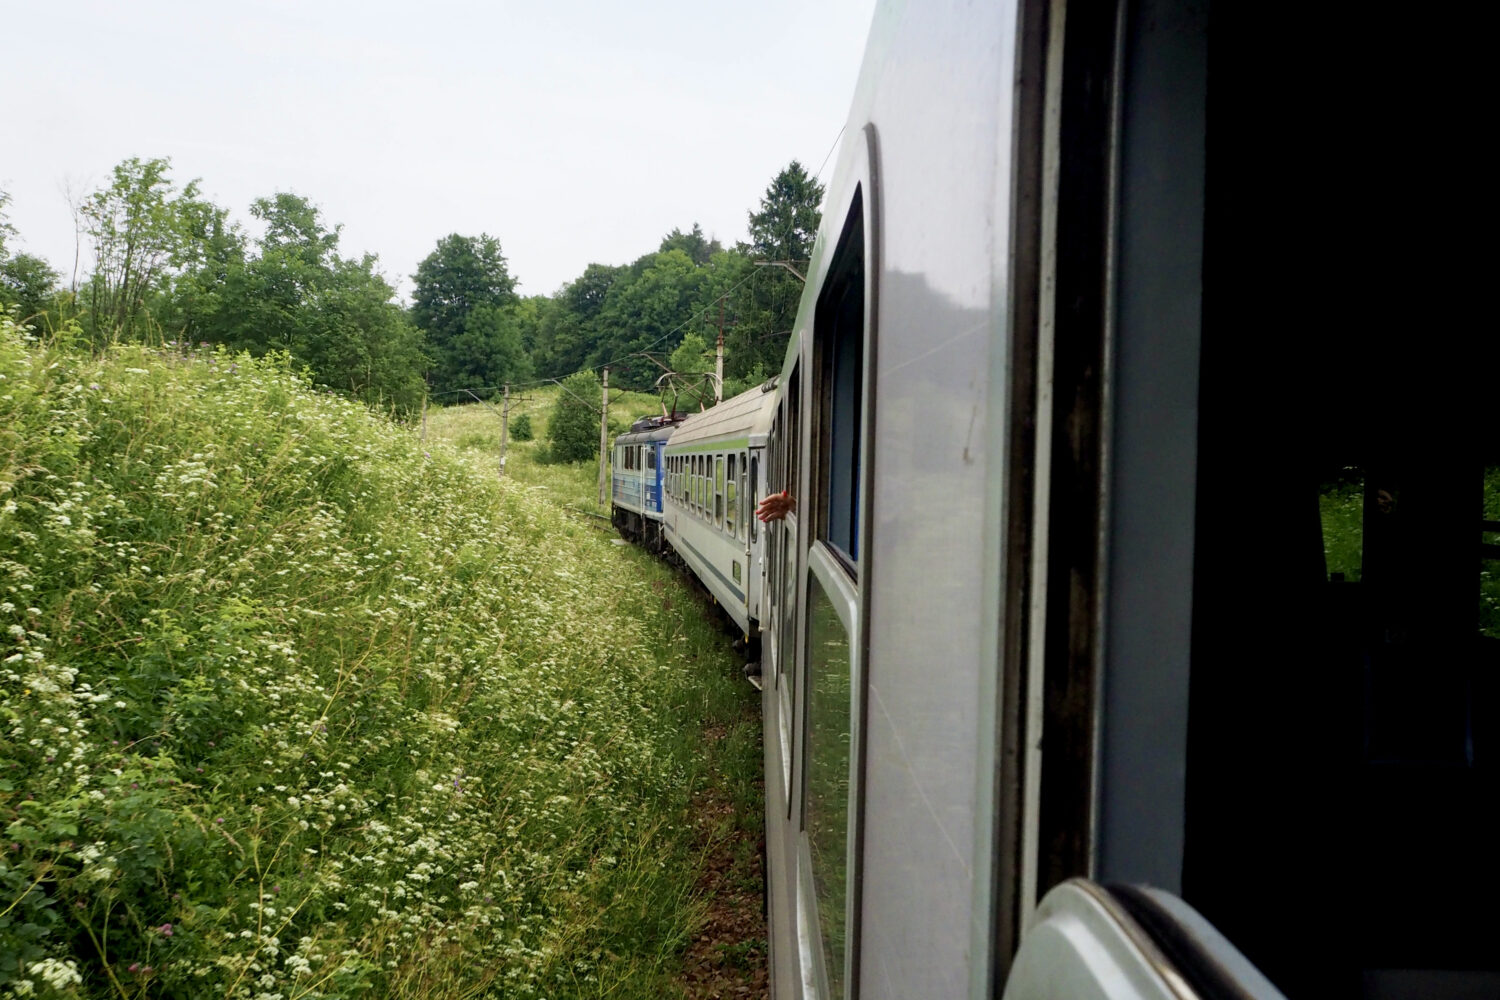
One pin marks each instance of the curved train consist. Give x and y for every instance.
(1130, 607)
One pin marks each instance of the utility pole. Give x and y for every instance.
(424, 420)
(719, 357)
(604, 443)
(504, 428)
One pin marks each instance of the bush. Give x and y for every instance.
(520, 428)
(289, 705)
(573, 430)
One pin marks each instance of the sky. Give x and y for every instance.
(574, 132)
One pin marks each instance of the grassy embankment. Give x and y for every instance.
(293, 706)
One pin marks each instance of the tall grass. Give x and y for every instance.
(294, 705)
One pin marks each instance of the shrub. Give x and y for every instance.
(290, 706)
(520, 428)
(573, 430)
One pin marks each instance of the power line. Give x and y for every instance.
(830, 150)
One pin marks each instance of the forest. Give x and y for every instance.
(161, 264)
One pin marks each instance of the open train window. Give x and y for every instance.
(839, 327)
(731, 500)
(719, 490)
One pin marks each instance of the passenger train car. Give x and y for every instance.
(1136, 633)
(714, 464)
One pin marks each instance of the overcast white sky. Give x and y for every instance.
(573, 131)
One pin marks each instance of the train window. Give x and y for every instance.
(719, 490)
(651, 457)
(753, 486)
(1341, 509)
(750, 511)
(839, 327)
(731, 500)
(825, 816)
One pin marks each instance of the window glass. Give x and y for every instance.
(731, 499)
(1341, 506)
(651, 457)
(826, 810)
(839, 323)
(753, 487)
(719, 490)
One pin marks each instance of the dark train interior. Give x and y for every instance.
(1344, 704)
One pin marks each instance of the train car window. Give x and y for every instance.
(731, 500)
(651, 457)
(744, 474)
(781, 536)
(825, 815)
(719, 490)
(1341, 510)
(752, 494)
(839, 327)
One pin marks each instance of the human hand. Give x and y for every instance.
(776, 506)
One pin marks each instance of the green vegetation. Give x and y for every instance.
(573, 429)
(299, 704)
(168, 266)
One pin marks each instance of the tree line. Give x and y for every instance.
(165, 264)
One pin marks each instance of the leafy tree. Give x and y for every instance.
(765, 308)
(573, 430)
(29, 284)
(486, 350)
(568, 332)
(646, 311)
(141, 230)
(752, 378)
(693, 243)
(462, 304)
(693, 357)
(787, 223)
(294, 293)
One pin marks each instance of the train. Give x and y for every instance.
(1134, 633)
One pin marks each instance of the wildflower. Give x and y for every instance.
(166, 930)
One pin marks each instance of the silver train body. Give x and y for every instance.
(1123, 642)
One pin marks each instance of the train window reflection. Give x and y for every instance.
(1341, 504)
(731, 500)
(719, 491)
(839, 326)
(826, 810)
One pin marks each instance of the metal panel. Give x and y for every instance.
(1158, 288)
(931, 554)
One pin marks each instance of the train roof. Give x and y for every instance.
(649, 429)
(747, 416)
